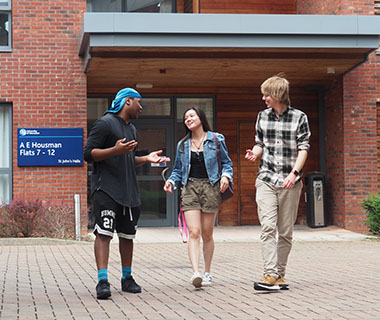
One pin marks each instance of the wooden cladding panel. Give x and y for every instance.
(236, 118)
(247, 172)
(248, 6)
(212, 67)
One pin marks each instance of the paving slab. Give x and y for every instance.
(250, 234)
(331, 273)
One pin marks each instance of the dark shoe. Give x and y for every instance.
(129, 285)
(103, 289)
(267, 284)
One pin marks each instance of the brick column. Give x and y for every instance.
(351, 144)
(361, 90)
(351, 135)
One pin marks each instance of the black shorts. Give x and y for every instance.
(111, 216)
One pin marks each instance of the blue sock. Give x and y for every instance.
(102, 274)
(126, 271)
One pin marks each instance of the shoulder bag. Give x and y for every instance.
(230, 190)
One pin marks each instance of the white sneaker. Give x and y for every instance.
(207, 279)
(196, 280)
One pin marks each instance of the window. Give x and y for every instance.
(5, 4)
(163, 6)
(156, 107)
(5, 25)
(95, 109)
(377, 12)
(6, 153)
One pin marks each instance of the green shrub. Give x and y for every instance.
(372, 207)
(33, 218)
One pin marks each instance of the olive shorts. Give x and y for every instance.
(199, 194)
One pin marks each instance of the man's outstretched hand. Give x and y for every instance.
(155, 157)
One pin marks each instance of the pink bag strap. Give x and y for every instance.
(182, 226)
(182, 221)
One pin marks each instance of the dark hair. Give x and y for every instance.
(202, 116)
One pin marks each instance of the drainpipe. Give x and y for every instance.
(77, 217)
(322, 128)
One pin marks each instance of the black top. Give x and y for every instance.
(197, 165)
(116, 176)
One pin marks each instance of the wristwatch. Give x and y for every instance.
(295, 172)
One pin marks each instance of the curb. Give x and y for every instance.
(39, 241)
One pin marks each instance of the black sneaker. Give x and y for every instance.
(103, 289)
(129, 285)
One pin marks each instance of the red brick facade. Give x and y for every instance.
(42, 78)
(344, 7)
(351, 149)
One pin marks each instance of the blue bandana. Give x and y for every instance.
(120, 98)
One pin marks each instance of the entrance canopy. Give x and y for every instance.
(221, 50)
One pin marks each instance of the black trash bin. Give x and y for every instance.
(315, 197)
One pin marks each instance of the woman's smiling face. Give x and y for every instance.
(192, 120)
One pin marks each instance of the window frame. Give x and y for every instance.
(7, 7)
(7, 10)
(9, 171)
(124, 6)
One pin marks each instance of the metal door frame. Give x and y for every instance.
(168, 125)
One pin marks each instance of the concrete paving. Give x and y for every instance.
(249, 234)
(332, 275)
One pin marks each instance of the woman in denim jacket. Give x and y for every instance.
(196, 168)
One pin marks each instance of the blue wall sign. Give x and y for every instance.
(49, 147)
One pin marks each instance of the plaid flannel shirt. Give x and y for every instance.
(280, 137)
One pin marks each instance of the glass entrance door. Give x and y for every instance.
(157, 208)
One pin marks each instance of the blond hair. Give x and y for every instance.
(277, 87)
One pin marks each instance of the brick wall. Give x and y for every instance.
(43, 79)
(346, 7)
(351, 141)
(361, 90)
(351, 152)
(318, 7)
(378, 139)
(179, 6)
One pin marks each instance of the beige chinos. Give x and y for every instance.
(277, 210)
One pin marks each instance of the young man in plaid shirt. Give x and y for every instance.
(282, 142)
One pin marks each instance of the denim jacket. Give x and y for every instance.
(182, 161)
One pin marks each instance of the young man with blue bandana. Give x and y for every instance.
(111, 146)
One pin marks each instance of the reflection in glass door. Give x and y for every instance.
(156, 206)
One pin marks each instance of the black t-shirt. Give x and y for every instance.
(197, 165)
(116, 176)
